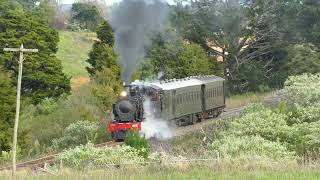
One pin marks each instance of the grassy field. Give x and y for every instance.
(73, 52)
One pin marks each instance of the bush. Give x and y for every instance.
(139, 143)
(87, 156)
(49, 119)
(305, 139)
(305, 114)
(292, 129)
(257, 120)
(75, 134)
(302, 90)
(247, 146)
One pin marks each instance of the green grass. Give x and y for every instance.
(73, 52)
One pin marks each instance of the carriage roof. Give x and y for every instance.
(185, 82)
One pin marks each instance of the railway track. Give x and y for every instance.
(49, 160)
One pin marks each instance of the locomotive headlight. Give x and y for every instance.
(123, 94)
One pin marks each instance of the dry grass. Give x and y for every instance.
(217, 170)
(237, 101)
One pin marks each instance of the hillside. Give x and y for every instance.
(73, 52)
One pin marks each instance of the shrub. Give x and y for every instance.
(75, 134)
(140, 143)
(305, 114)
(302, 90)
(47, 106)
(233, 146)
(260, 121)
(305, 139)
(87, 156)
(49, 120)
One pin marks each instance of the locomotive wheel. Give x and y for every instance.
(199, 117)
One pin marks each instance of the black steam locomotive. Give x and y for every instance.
(128, 112)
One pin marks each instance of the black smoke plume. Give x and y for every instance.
(135, 22)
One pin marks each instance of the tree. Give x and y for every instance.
(175, 59)
(102, 54)
(303, 58)
(28, 4)
(242, 33)
(88, 16)
(7, 109)
(42, 74)
(106, 88)
(46, 10)
(308, 21)
(105, 34)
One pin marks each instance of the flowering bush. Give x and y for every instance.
(75, 134)
(304, 138)
(88, 156)
(305, 114)
(259, 122)
(235, 146)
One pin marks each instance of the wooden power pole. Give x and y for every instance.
(16, 122)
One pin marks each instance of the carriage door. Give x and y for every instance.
(203, 98)
(174, 103)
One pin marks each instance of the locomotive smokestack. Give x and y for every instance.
(135, 22)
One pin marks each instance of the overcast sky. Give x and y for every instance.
(108, 1)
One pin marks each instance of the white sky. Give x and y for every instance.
(108, 1)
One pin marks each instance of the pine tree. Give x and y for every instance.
(102, 54)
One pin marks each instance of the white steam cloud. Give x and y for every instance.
(153, 127)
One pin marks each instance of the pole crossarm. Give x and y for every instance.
(21, 49)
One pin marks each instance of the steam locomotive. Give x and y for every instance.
(180, 101)
(128, 112)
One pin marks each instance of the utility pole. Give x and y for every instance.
(16, 122)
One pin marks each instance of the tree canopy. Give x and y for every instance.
(87, 15)
(42, 73)
(102, 54)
